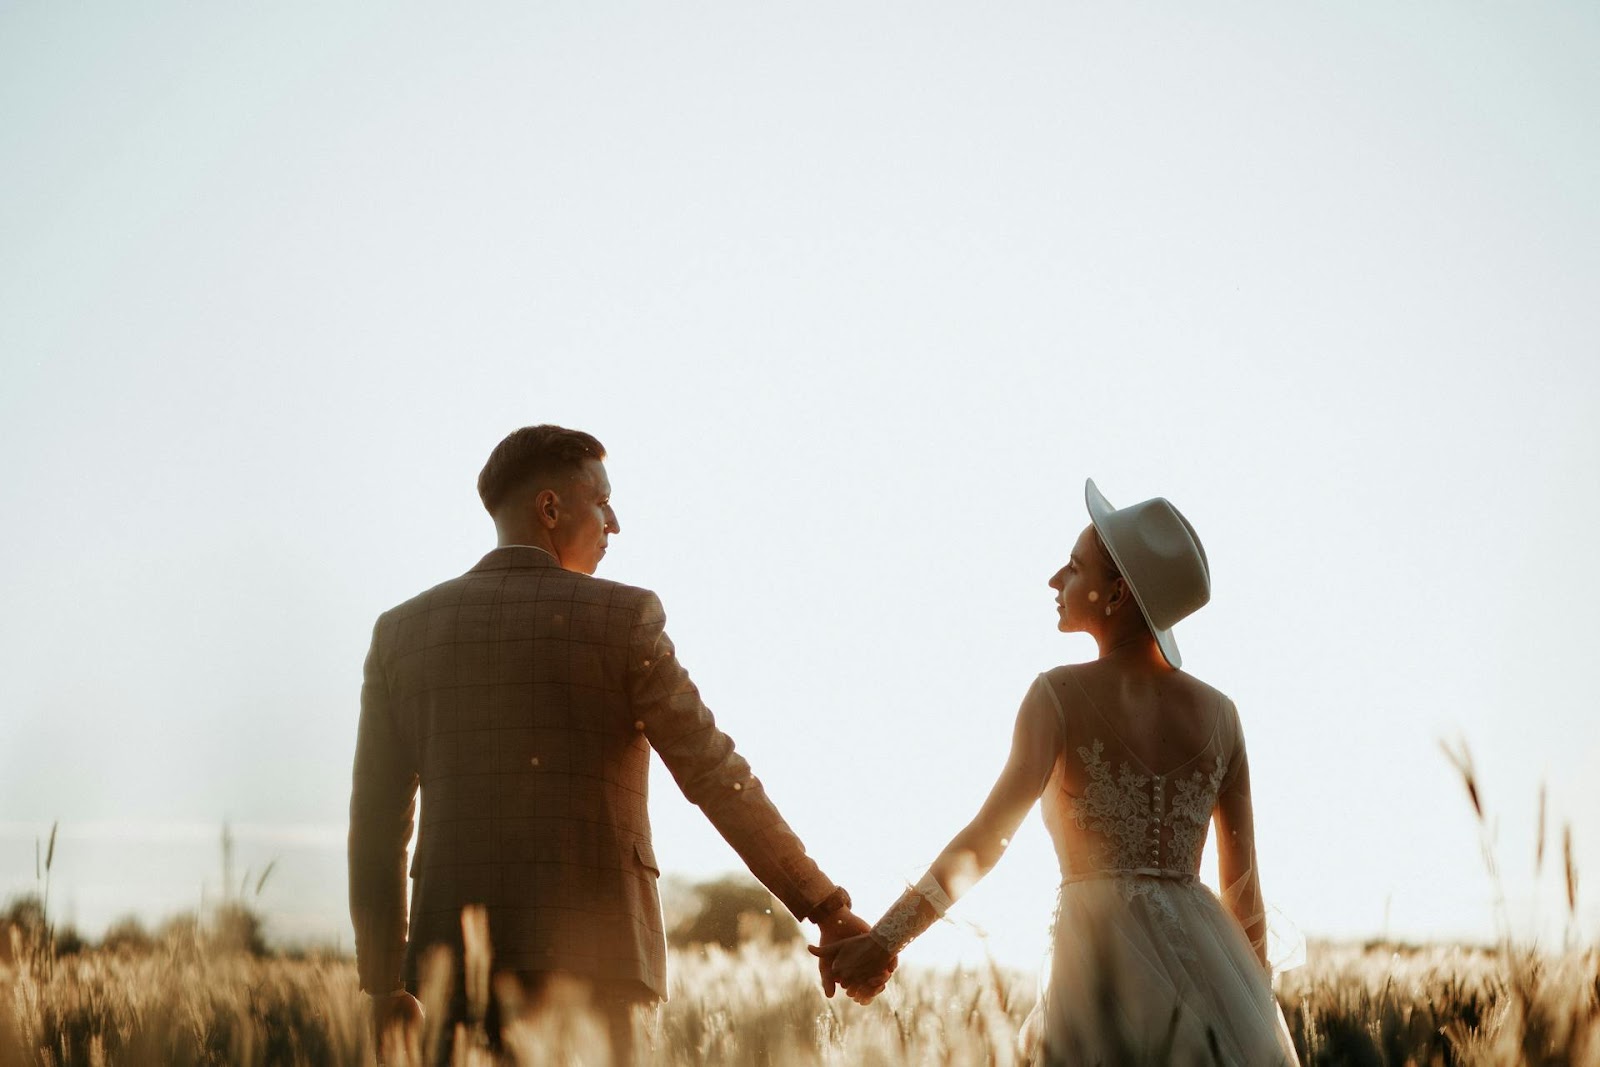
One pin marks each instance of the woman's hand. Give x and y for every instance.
(859, 964)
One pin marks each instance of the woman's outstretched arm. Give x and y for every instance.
(973, 852)
(1236, 849)
(1035, 743)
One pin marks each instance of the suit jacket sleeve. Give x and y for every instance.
(382, 809)
(711, 774)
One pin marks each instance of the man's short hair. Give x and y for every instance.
(531, 454)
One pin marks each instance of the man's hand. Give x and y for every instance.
(397, 1028)
(859, 964)
(842, 926)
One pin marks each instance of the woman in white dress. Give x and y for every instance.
(1133, 758)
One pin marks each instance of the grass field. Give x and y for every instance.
(181, 1002)
(211, 994)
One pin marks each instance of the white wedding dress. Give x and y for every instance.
(1148, 965)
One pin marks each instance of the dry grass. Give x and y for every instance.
(1443, 1005)
(194, 996)
(175, 1006)
(179, 1004)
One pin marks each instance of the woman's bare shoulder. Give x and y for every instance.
(1204, 695)
(1070, 678)
(1201, 687)
(1063, 684)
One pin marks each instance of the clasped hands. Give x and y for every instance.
(848, 957)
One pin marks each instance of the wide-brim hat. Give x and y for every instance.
(1159, 555)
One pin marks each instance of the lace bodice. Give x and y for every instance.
(1118, 825)
(1108, 812)
(1129, 810)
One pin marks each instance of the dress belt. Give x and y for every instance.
(1166, 873)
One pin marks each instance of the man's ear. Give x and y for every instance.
(547, 507)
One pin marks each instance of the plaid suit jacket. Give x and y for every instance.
(523, 700)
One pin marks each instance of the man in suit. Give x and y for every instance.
(523, 698)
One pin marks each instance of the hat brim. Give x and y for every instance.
(1100, 509)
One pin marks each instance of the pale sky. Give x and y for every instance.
(857, 296)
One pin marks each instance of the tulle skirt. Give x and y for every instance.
(1153, 970)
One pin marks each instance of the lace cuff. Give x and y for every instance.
(907, 918)
(934, 894)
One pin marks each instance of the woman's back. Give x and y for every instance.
(1144, 754)
(1149, 965)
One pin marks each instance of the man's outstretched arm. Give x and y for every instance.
(383, 798)
(715, 777)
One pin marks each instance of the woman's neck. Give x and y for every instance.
(1130, 646)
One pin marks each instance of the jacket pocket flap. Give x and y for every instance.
(646, 856)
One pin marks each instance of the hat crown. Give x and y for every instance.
(1162, 559)
(1159, 555)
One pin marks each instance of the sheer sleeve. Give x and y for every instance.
(1040, 733)
(1238, 873)
(1035, 742)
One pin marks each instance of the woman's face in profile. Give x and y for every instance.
(1080, 585)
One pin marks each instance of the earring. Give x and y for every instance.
(1108, 609)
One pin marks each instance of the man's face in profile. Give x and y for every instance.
(585, 519)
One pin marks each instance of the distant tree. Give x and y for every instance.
(68, 942)
(729, 911)
(26, 913)
(236, 925)
(22, 927)
(25, 929)
(127, 934)
(179, 936)
(237, 928)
